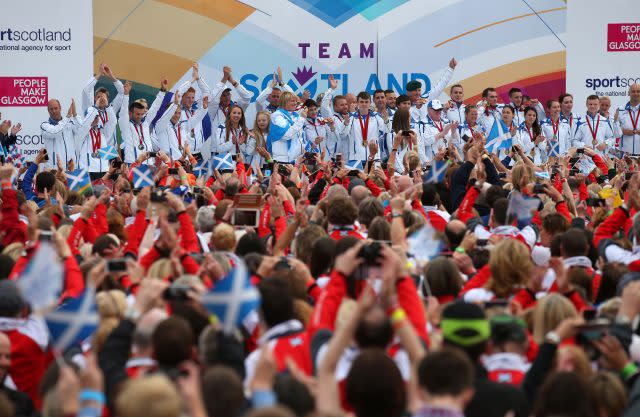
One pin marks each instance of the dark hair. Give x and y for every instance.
(574, 243)
(388, 92)
(223, 393)
(402, 98)
(514, 90)
(565, 394)
(592, 97)
(172, 342)
(446, 372)
(555, 223)
(101, 90)
(443, 277)
(136, 105)
(612, 272)
(322, 256)
(378, 92)
(429, 194)
(102, 243)
(500, 208)
(310, 103)
(277, 301)
(242, 124)
(486, 91)
(535, 126)
(510, 108)
(401, 120)
(374, 386)
(294, 394)
(561, 97)
(363, 95)
(342, 211)
(368, 209)
(468, 109)
(336, 98)
(454, 86)
(45, 179)
(250, 243)
(379, 229)
(6, 266)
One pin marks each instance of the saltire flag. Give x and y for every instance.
(424, 244)
(554, 147)
(166, 102)
(224, 162)
(201, 168)
(234, 297)
(499, 137)
(276, 131)
(543, 174)
(74, 321)
(79, 180)
(437, 172)
(142, 177)
(522, 207)
(108, 153)
(353, 165)
(41, 282)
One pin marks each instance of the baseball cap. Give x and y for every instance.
(435, 105)
(464, 324)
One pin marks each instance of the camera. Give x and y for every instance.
(282, 170)
(116, 163)
(153, 154)
(370, 253)
(539, 189)
(579, 151)
(116, 265)
(173, 171)
(595, 202)
(406, 133)
(176, 293)
(157, 196)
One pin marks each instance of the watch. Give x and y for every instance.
(552, 337)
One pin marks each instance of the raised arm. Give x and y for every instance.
(157, 102)
(116, 103)
(85, 126)
(444, 80)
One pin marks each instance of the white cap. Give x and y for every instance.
(435, 105)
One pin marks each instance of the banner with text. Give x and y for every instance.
(45, 54)
(603, 50)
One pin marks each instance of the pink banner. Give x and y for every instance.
(623, 37)
(24, 91)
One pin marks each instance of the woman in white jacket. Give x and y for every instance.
(530, 137)
(233, 137)
(285, 141)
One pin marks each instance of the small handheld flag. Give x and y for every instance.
(424, 245)
(79, 180)
(142, 177)
(73, 321)
(201, 168)
(108, 153)
(437, 172)
(499, 137)
(223, 162)
(522, 207)
(234, 297)
(353, 165)
(41, 281)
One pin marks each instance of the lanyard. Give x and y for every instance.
(234, 139)
(178, 133)
(364, 127)
(96, 139)
(438, 127)
(104, 119)
(529, 132)
(189, 113)
(140, 133)
(556, 127)
(634, 123)
(593, 134)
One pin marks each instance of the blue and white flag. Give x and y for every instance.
(437, 172)
(108, 153)
(234, 297)
(543, 174)
(79, 180)
(276, 131)
(353, 165)
(41, 282)
(553, 147)
(224, 162)
(499, 137)
(522, 207)
(74, 321)
(424, 245)
(142, 177)
(585, 165)
(201, 168)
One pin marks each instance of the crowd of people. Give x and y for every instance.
(411, 255)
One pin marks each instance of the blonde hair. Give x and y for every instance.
(510, 264)
(223, 238)
(151, 396)
(285, 97)
(257, 134)
(549, 312)
(65, 230)
(112, 303)
(519, 172)
(13, 250)
(160, 269)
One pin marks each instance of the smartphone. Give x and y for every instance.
(502, 175)
(116, 265)
(338, 159)
(198, 190)
(45, 236)
(176, 293)
(579, 151)
(245, 217)
(153, 154)
(482, 242)
(173, 171)
(513, 149)
(628, 175)
(46, 155)
(539, 189)
(465, 138)
(573, 160)
(595, 202)
(157, 196)
(589, 314)
(116, 163)
(406, 133)
(282, 170)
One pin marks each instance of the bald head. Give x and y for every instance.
(634, 94)
(404, 182)
(336, 190)
(455, 231)
(359, 193)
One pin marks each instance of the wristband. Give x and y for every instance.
(460, 249)
(92, 395)
(628, 370)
